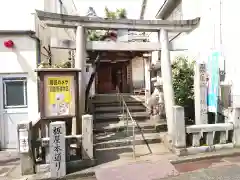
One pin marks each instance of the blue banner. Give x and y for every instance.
(213, 81)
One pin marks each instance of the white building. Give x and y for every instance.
(217, 31)
(22, 42)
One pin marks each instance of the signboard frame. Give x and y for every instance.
(65, 92)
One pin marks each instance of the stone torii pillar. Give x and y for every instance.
(80, 62)
(147, 76)
(167, 79)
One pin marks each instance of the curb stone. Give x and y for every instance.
(81, 174)
(204, 156)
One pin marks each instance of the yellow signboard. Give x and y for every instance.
(59, 95)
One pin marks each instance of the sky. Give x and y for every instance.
(133, 7)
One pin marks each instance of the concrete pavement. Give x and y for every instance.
(8, 161)
(228, 172)
(149, 167)
(214, 168)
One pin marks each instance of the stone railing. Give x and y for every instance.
(48, 146)
(194, 139)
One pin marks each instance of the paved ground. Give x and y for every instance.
(8, 161)
(221, 171)
(139, 170)
(227, 168)
(229, 172)
(150, 167)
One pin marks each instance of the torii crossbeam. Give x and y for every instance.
(69, 21)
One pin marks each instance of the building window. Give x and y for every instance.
(15, 92)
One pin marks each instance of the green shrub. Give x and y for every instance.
(183, 79)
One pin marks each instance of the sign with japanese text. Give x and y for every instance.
(203, 76)
(203, 92)
(59, 95)
(23, 141)
(57, 149)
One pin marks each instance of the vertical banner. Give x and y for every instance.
(213, 82)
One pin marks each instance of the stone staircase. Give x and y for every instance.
(110, 129)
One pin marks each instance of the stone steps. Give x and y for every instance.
(147, 126)
(119, 139)
(115, 153)
(106, 99)
(110, 125)
(104, 117)
(115, 103)
(133, 108)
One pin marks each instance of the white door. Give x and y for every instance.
(13, 90)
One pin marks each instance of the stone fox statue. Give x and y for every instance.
(156, 103)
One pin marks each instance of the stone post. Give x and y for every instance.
(235, 118)
(87, 136)
(45, 133)
(167, 79)
(57, 146)
(24, 145)
(179, 139)
(200, 94)
(80, 62)
(147, 77)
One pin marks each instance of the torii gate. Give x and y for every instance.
(81, 23)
